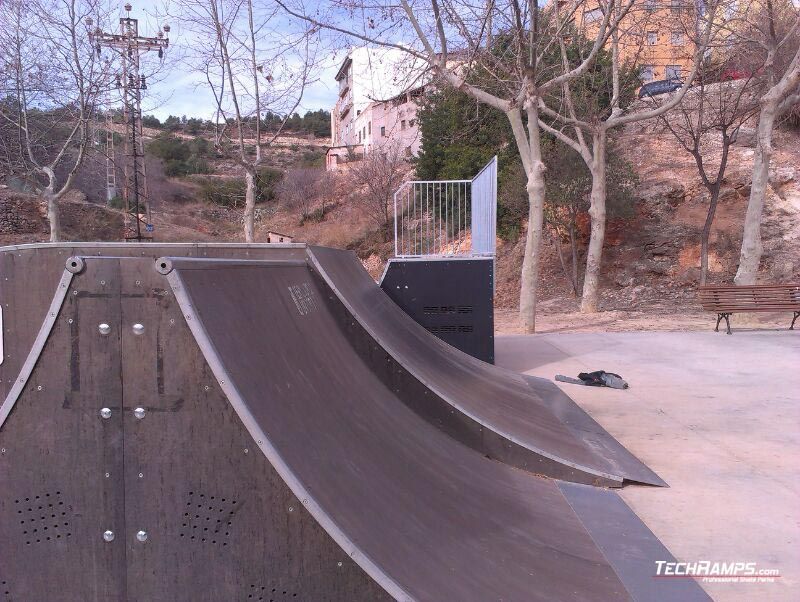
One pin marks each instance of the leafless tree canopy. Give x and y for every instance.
(710, 118)
(375, 180)
(252, 61)
(300, 189)
(512, 56)
(51, 80)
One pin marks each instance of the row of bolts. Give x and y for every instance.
(105, 413)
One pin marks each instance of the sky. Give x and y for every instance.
(178, 91)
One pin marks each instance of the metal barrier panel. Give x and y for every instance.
(484, 209)
(432, 218)
(443, 217)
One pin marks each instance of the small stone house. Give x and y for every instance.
(277, 237)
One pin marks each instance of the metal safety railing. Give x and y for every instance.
(447, 217)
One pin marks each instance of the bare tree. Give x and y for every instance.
(500, 61)
(54, 80)
(772, 30)
(577, 120)
(299, 190)
(252, 64)
(711, 115)
(375, 178)
(328, 186)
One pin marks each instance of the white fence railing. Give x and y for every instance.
(447, 217)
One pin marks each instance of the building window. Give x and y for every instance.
(364, 131)
(646, 73)
(358, 113)
(652, 38)
(672, 72)
(677, 38)
(403, 124)
(411, 122)
(369, 127)
(651, 5)
(359, 136)
(383, 131)
(591, 16)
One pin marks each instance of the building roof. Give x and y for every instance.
(279, 234)
(343, 69)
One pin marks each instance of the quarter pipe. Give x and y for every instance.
(219, 429)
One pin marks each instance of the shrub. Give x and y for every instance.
(266, 182)
(313, 158)
(181, 158)
(151, 121)
(230, 192)
(227, 192)
(169, 148)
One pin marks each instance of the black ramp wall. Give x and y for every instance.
(427, 517)
(219, 523)
(496, 411)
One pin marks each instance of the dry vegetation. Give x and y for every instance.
(652, 263)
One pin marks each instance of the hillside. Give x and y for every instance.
(651, 258)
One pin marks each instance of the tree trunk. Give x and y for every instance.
(750, 256)
(568, 272)
(573, 245)
(712, 209)
(53, 217)
(530, 150)
(597, 213)
(50, 196)
(533, 244)
(249, 206)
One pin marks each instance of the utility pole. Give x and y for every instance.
(129, 45)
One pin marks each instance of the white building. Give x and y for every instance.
(379, 89)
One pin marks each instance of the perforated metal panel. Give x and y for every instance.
(452, 298)
(192, 509)
(61, 462)
(220, 523)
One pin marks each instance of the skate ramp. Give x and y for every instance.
(269, 461)
(425, 516)
(523, 421)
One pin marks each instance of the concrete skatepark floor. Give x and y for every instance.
(717, 417)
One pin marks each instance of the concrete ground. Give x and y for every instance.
(718, 418)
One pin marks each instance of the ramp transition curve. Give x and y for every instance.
(425, 516)
(526, 422)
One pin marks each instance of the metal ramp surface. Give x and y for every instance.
(253, 451)
(496, 411)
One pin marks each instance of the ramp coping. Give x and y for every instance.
(151, 245)
(165, 265)
(38, 345)
(298, 489)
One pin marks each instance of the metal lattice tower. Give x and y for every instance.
(129, 46)
(111, 168)
(107, 130)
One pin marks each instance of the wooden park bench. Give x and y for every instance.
(729, 299)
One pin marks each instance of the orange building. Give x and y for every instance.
(655, 35)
